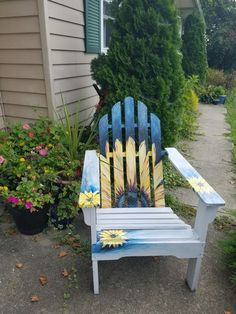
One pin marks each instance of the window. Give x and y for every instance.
(97, 25)
(106, 16)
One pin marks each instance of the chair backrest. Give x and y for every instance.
(130, 157)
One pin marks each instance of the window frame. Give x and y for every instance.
(103, 49)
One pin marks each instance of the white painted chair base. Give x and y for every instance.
(95, 277)
(193, 273)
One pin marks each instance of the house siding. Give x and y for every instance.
(22, 82)
(2, 123)
(70, 64)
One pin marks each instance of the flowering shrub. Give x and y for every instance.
(36, 167)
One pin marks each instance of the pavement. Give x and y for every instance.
(149, 285)
(210, 153)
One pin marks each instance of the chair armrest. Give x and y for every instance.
(90, 185)
(205, 192)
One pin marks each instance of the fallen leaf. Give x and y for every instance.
(227, 312)
(11, 231)
(71, 239)
(34, 298)
(65, 273)
(19, 265)
(43, 280)
(231, 182)
(55, 246)
(36, 238)
(76, 245)
(62, 254)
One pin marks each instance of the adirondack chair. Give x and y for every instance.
(125, 207)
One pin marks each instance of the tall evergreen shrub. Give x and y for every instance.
(194, 47)
(144, 61)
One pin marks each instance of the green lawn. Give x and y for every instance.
(231, 118)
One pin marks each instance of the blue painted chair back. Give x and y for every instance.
(130, 157)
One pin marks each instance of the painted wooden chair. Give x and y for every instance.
(122, 195)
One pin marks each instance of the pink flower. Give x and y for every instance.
(28, 205)
(38, 147)
(31, 134)
(2, 159)
(43, 152)
(13, 199)
(26, 126)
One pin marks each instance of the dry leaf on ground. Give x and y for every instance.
(20, 265)
(227, 312)
(34, 298)
(43, 280)
(62, 254)
(11, 231)
(55, 246)
(65, 273)
(76, 245)
(71, 239)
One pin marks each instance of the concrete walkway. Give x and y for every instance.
(210, 154)
(131, 285)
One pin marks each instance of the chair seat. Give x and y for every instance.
(139, 218)
(146, 232)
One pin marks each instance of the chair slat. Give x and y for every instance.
(164, 226)
(139, 221)
(159, 197)
(136, 216)
(144, 171)
(118, 155)
(105, 162)
(159, 235)
(164, 210)
(130, 152)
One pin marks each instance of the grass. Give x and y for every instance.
(224, 222)
(171, 177)
(73, 241)
(228, 245)
(181, 209)
(231, 119)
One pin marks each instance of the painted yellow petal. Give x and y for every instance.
(118, 168)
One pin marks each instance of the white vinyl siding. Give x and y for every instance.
(70, 64)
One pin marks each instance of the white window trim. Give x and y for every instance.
(103, 49)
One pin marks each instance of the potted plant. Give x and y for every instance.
(29, 204)
(49, 153)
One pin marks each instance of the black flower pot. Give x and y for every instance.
(30, 223)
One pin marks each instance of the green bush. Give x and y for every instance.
(144, 61)
(41, 164)
(228, 248)
(209, 94)
(230, 80)
(219, 77)
(190, 107)
(194, 47)
(216, 77)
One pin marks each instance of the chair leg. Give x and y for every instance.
(193, 272)
(95, 278)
